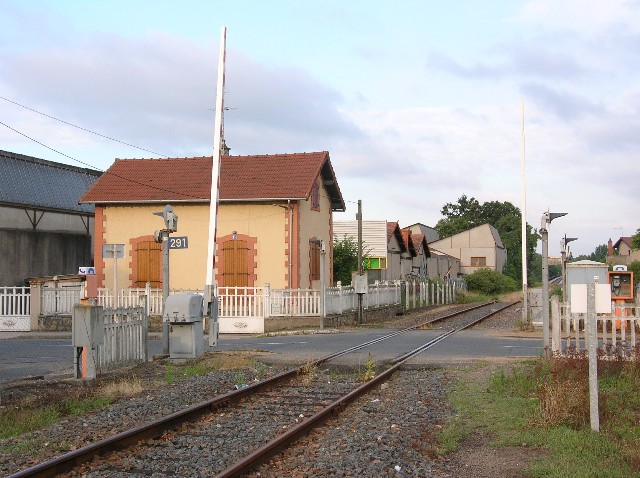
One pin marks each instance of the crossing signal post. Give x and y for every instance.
(547, 217)
(162, 236)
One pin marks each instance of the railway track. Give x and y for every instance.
(235, 432)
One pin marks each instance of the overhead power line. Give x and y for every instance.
(81, 128)
(117, 175)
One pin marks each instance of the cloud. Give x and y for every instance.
(523, 60)
(563, 104)
(445, 63)
(159, 91)
(585, 14)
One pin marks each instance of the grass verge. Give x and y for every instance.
(545, 404)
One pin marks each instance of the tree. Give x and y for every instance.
(635, 240)
(504, 216)
(599, 255)
(345, 259)
(635, 268)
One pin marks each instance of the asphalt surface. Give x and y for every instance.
(25, 355)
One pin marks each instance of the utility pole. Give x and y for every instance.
(523, 221)
(359, 218)
(547, 217)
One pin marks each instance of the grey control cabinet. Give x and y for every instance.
(184, 314)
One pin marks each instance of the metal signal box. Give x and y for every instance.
(87, 326)
(184, 314)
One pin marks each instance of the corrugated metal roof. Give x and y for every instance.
(33, 182)
(374, 235)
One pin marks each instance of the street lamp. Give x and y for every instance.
(563, 251)
(547, 217)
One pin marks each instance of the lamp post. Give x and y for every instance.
(547, 217)
(563, 252)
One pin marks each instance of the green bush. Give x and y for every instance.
(635, 268)
(488, 282)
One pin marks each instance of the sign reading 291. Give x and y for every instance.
(178, 242)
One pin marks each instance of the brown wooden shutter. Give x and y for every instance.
(149, 264)
(235, 273)
(314, 265)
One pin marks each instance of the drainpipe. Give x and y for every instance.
(290, 241)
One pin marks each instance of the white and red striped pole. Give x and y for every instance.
(209, 291)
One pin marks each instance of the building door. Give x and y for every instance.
(149, 264)
(235, 265)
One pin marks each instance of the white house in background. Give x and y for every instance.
(383, 246)
(476, 248)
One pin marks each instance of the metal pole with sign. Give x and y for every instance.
(547, 217)
(171, 225)
(115, 252)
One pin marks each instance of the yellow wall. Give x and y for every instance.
(267, 223)
(188, 266)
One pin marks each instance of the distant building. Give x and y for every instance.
(621, 253)
(43, 229)
(476, 248)
(430, 234)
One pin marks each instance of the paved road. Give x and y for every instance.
(24, 355)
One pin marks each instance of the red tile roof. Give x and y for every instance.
(393, 229)
(420, 240)
(242, 178)
(408, 242)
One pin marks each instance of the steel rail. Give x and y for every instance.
(262, 454)
(273, 447)
(128, 438)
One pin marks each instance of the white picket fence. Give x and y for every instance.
(60, 300)
(344, 298)
(618, 332)
(425, 293)
(233, 302)
(15, 309)
(125, 338)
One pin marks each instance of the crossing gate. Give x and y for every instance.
(125, 338)
(106, 339)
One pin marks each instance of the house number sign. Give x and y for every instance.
(180, 242)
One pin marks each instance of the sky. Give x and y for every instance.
(418, 102)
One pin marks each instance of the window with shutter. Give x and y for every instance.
(236, 272)
(148, 263)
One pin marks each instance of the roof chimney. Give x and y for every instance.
(610, 247)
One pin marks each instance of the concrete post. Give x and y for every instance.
(592, 341)
(35, 304)
(556, 338)
(545, 291)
